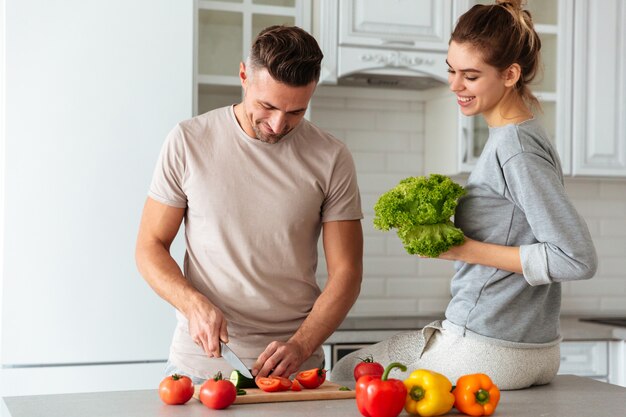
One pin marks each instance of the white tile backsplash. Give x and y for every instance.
(384, 131)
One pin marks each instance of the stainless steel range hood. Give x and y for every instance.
(409, 70)
(398, 81)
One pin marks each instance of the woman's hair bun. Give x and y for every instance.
(514, 4)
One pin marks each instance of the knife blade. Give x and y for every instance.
(234, 361)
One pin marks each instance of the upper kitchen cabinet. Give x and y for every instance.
(599, 88)
(453, 142)
(361, 38)
(224, 31)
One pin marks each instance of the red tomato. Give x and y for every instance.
(218, 393)
(176, 389)
(312, 378)
(367, 366)
(285, 383)
(273, 383)
(295, 385)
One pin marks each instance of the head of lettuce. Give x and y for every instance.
(420, 209)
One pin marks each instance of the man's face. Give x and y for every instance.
(272, 109)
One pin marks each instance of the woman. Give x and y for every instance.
(523, 235)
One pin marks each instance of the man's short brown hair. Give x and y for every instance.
(290, 55)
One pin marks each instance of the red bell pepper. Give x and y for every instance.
(381, 397)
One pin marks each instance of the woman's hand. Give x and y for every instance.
(458, 252)
(472, 251)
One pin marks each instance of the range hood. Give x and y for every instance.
(409, 70)
(397, 81)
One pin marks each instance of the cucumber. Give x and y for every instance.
(241, 381)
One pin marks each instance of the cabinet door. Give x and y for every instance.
(599, 130)
(585, 359)
(404, 24)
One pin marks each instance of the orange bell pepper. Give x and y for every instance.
(476, 395)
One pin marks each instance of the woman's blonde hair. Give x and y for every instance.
(505, 35)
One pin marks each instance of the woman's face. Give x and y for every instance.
(479, 87)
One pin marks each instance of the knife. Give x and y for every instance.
(234, 361)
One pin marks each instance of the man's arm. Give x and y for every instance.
(343, 245)
(158, 228)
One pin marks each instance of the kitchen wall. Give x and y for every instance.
(384, 129)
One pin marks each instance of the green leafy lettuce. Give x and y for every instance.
(420, 209)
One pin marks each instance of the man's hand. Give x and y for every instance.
(280, 359)
(207, 326)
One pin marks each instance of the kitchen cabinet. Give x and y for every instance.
(223, 33)
(453, 142)
(599, 87)
(585, 358)
(617, 362)
(602, 360)
(389, 38)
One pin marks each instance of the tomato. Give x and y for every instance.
(218, 393)
(367, 366)
(273, 383)
(312, 378)
(176, 389)
(284, 382)
(295, 385)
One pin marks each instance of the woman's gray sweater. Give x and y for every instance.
(515, 197)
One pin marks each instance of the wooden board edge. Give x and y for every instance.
(321, 396)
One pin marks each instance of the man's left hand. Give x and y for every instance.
(280, 359)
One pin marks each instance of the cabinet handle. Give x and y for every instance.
(404, 43)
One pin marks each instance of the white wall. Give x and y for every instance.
(384, 130)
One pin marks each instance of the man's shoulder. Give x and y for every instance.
(201, 126)
(321, 138)
(212, 116)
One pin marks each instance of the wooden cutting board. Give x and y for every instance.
(326, 391)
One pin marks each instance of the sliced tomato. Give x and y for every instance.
(295, 385)
(284, 382)
(273, 383)
(312, 378)
(268, 384)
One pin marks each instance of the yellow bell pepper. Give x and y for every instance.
(428, 393)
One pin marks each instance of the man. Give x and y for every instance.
(255, 184)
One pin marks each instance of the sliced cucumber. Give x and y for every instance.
(241, 381)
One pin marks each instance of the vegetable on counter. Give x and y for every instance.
(476, 395)
(176, 389)
(428, 393)
(420, 209)
(241, 381)
(218, 393)
(273, 383)
(380, 396)
(367, 366)
(312, 378)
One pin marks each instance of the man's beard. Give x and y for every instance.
(267, 138)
